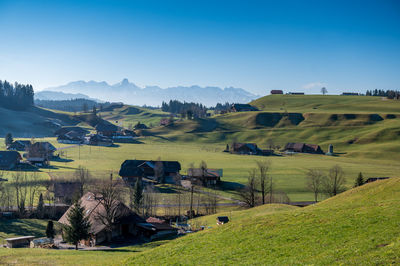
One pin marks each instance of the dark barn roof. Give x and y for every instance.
(130, 167)
(8, 159)
(251, 147)
(19, 145)
(303, 147)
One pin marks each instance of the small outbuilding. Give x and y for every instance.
(19, 242)
(205, 177)
(222, 220)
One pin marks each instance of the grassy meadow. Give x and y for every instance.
(357, 227)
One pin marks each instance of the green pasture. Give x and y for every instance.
(358, 227)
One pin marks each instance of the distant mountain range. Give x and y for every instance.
(60, 96)
(129, 93)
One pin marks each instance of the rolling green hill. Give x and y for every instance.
(357, 126)
(360, 226)
(327, 103)
(357, 227)
(33, 122)
(131, 115)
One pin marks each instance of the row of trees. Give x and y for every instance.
(15, 96)
(391, 94)
(330, 184)
(186, 110)
(260, 187)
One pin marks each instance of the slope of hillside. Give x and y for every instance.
(360, 226)
(34, 122)
(130, 115)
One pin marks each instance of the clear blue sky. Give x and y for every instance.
(256, 45)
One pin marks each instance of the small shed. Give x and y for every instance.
(222, 220)
(19, 242)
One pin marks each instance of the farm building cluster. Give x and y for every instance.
(106, 135)
(167, 172)
(290, 148)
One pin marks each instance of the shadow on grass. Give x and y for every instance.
(232, 186)
(167, 190)
(19, 227)
(62, 160)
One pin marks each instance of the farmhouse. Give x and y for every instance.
(126, 223)
(303, 148)
(245, 148)
(99, 140)
(71, 137)
(40, 153)
(107, 130)
(132, 169)
(9, 159)
(19, 145)
(276, 91)
(206, 177)
(242, 108)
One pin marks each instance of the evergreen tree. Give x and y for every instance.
(137, 195)
(360, 180)
(85, 107)
(79, 225)
(50, 230)
(94, 111)
(9, 139)
(40, 207)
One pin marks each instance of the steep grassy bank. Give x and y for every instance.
(357, 227)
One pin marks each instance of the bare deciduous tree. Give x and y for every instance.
(108, 195)
(334, 183)
(314, 181)
(20, 185)
(249, 192)
(263, 167)
(33, 188)
(83, 177)
(203, 169)
(159, 171)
